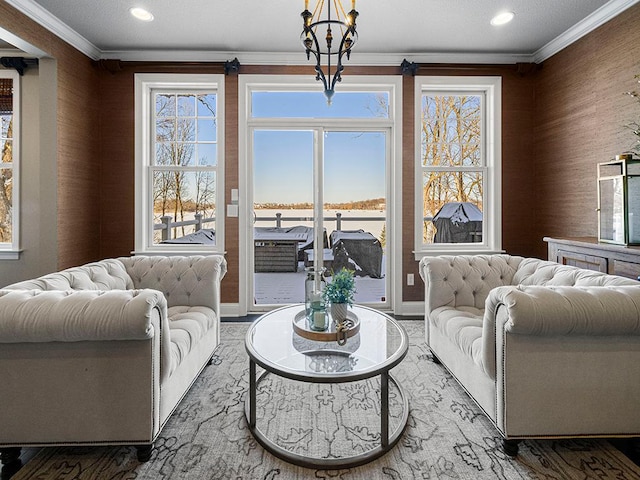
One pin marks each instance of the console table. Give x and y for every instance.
(587, 252)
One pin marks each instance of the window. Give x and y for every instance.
(9, 163)
(458, 165)
(179, 163)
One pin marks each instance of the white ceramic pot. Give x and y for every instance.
(339, 312)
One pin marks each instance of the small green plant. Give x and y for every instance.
(341, 289)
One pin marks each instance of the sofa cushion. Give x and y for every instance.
(188, 325)
(463, 326)
(107, 274)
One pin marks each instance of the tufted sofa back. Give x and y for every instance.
(543, 273)
(107, 274)
(465, 280)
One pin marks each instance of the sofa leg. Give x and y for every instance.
(435, 359)
(510, 447)
(144, 452)
(11, 462)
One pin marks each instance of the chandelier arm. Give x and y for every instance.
(348, 39)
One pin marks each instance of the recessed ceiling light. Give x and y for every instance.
(141, 14)
(502, 18)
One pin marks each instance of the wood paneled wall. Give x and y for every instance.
(580, 113)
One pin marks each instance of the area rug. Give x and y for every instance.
(447, 436)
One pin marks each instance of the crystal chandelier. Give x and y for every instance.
(313, 26)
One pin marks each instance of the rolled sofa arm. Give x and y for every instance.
(79, 315)
(184, 280)
(464, 280)
(566, 310)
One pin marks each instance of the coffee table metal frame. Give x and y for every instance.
(388, 439)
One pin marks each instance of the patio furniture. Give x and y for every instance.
(276, 248)
(327, 258)
(357, 250)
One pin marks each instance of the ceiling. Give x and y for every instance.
(267, 31)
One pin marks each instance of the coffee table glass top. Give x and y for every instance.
(380, 344)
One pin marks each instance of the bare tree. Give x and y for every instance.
(176, 191)
(6, 183)
(451, 128)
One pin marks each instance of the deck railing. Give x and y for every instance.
(338, 219)
(167, 224)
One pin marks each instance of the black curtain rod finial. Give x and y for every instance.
(409, 68)
(18, 63)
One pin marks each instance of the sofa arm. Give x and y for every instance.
(79, 315)
(464, 280)
(189, 281)
(565, 310)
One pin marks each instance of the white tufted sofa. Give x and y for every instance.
(103, 353)
(545, 350)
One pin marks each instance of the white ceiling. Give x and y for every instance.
(267, 31)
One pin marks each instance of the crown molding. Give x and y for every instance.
(601, 16)
(22, 47)
(299, 58)
(59, 28)
(41, 16)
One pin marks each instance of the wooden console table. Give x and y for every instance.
(587, 252)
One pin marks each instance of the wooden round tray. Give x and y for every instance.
(301, 327)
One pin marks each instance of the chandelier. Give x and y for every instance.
(313, 25)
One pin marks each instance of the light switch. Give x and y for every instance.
(234, 195)
(232, 210)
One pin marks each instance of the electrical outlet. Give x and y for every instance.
(410, 279)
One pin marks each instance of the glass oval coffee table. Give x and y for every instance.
(273, 344)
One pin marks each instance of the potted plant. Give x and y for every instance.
(339, 293)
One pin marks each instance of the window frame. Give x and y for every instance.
(11, 250)
(145, 86)
(491, 90)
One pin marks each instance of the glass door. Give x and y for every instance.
(295, 170)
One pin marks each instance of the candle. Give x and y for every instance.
(318, 221)
(319, 320)
(353, 4)
(306, 4)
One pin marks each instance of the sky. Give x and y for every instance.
(354, 162)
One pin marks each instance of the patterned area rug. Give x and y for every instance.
(447, 436)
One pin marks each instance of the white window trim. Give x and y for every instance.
(144, 84)
(11, 251)
(492, 118)
(391, 84)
